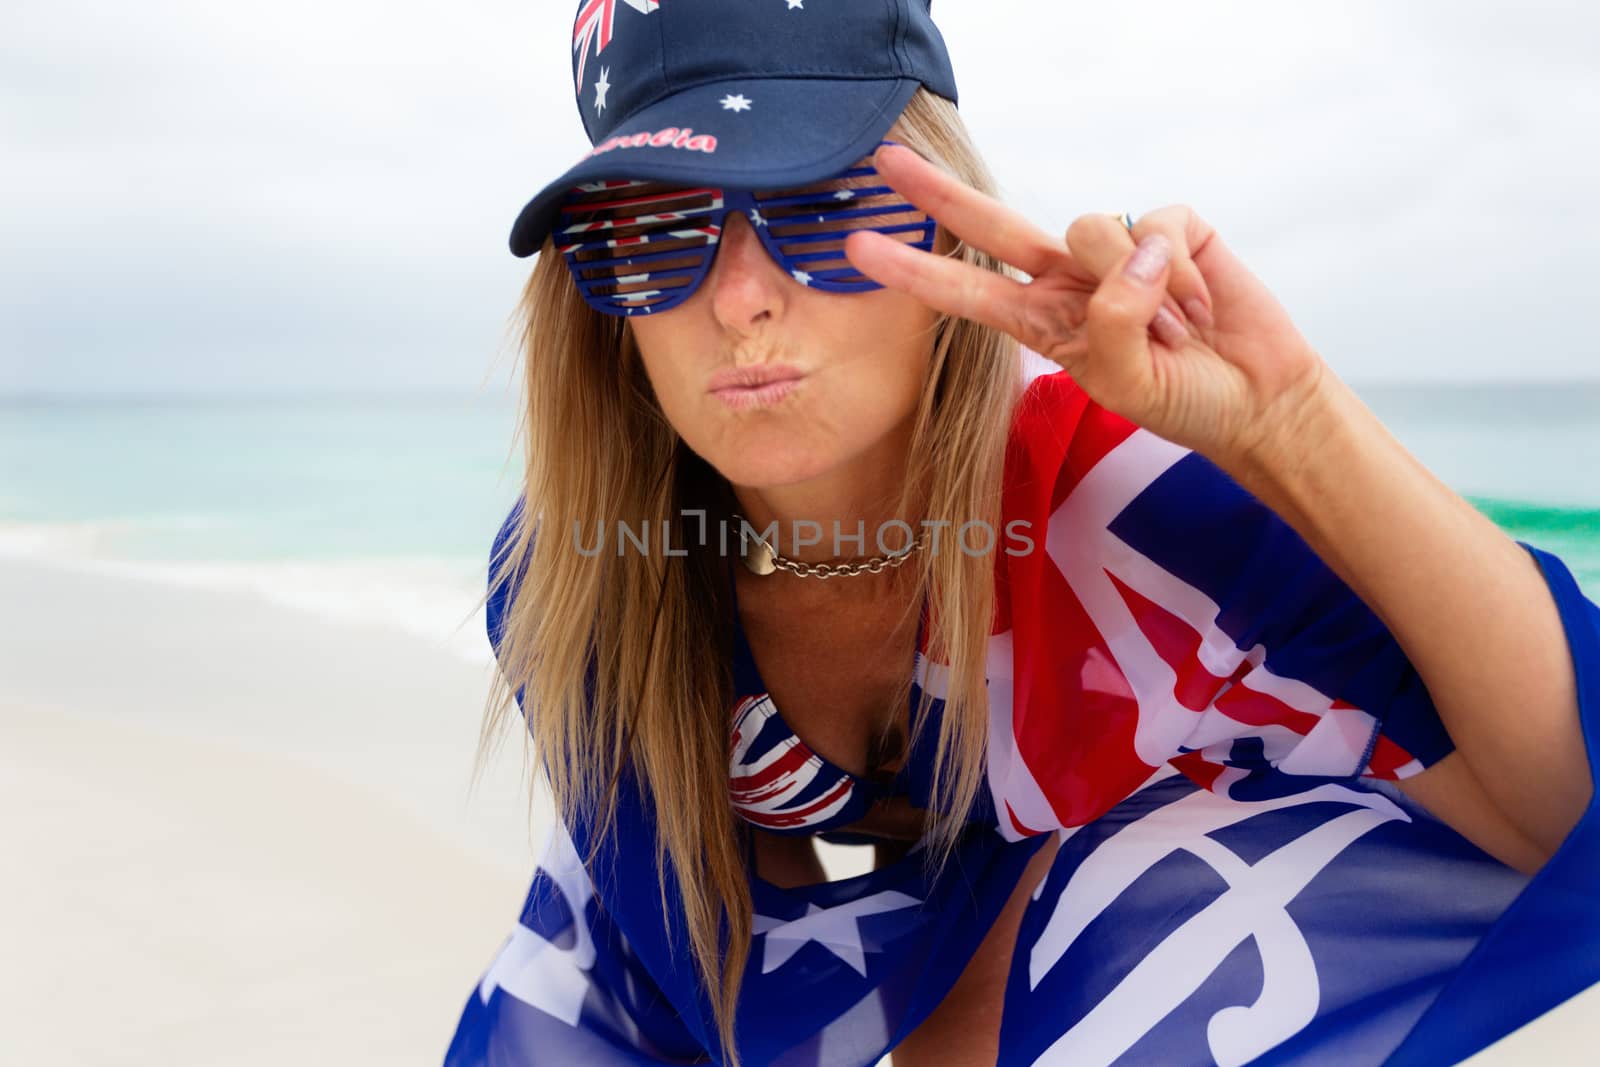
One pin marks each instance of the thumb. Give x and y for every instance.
(1121, 312)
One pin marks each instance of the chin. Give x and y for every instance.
(755, 472)
(771, 464)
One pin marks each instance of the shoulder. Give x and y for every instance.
(1060, 435)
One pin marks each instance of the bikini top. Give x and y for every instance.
(780, 784)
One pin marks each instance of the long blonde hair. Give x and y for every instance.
(600, 452)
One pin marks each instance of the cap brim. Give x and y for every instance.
(794, 131)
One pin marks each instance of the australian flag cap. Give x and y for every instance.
(745, 94)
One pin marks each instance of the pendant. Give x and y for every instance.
(757, 557)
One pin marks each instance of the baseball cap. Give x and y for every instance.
(750, 94)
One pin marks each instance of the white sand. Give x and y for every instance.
(181, 902)
(236, 834)
(233, 833)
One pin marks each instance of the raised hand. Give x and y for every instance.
(1176, 335)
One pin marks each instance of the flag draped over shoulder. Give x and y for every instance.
(1166, 615)
(1210, 722)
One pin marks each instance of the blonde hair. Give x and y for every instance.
(599, 451)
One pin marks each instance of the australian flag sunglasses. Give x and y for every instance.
(641, 247)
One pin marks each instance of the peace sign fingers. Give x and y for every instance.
(979, 220)
(1049, 326)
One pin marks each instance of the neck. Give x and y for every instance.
(849, 512)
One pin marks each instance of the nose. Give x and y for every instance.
(747, 287)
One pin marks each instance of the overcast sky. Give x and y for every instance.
(316, 194)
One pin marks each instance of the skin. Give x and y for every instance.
(1202, 355)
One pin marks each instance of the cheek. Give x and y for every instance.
(874, 376)
(671, 376)
(899, 336)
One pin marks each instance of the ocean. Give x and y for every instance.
(381, 511)
(374, 511)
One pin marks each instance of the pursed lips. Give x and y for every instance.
(748, 388)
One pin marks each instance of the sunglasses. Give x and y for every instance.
(641, 247)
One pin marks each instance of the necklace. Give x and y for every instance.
(760, 558)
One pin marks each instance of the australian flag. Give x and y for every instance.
(1207, 724)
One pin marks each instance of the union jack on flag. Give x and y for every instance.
(1168, 615)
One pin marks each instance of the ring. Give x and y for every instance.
(1124, 218)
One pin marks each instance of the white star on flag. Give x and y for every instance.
(601, 88)
(552, 978)
(756, 218)
(802, 277)
(801, 4)
(845, 194)
(835, 929)
(736, 102)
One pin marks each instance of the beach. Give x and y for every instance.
(238, 717)
(238, 834)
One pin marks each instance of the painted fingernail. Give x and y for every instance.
(1169, 330)
(1149, 259)
(1195, 308)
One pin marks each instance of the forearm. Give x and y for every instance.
(1466, 603)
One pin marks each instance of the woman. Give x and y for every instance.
(1121, 740)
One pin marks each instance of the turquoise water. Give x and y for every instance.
(242, 480)
(358, 511)
(340, 499)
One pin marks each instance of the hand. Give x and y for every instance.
(1227, 373)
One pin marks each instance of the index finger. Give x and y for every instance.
(979, 220)
(948, 285)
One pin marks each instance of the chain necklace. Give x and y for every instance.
(759, 558)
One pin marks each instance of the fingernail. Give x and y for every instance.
(1169, 330)
(1149, 259)
(1195, 308)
